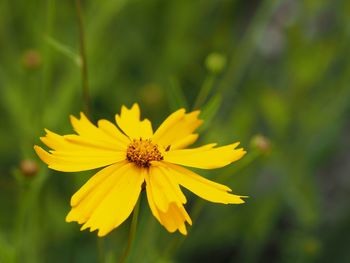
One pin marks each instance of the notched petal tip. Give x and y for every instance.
(74, 200)
(134, 107)
(43, 155)
(69, 218)
(181, 111)
(183, 230)
(244, 196)
(135, 104)
(83, 227)
(73, 120)
(72, 117)
(101, 233)
(235, 144)
(239, 200)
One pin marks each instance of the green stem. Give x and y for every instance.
(245, 51)
(84, 68)
(204, 91)
(132, 232)
(100, 249)
(27, 203)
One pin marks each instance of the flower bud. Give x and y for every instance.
(31, 59)
(28, 168)
(215, 62)
(261, 143)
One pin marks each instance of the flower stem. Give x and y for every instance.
(84, 69)
(245, 51)
(100, 249)
(204, 91)
(132, 232)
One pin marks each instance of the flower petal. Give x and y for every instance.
(112, 130)
(183, 143)
(76, 161)
(174, 217)
(119, 196)
(204, 188)
(72, 153)
(165, 190)
(129, 122)
(105, 134)
(87, 198)
(205, 157)
(174, 131)
(95, 181)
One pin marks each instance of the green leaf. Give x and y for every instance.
(65, 50)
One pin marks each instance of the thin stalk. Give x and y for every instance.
(132, 232)
(100, 249)
(27, 203)
(204, 91)
(84, 68)
(245, 51)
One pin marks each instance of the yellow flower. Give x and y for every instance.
(135, 158)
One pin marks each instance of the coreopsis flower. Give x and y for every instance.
(134, 157)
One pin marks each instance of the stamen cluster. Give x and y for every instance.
(143, 152)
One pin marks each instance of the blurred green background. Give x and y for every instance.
(272, 74)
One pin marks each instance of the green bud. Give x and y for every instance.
(215, 62)
(261, 143)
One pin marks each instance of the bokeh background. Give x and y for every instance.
(272, 74)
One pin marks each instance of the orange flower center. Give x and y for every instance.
(143, 152)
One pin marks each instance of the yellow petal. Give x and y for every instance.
(117, 203)
(94, 181)
(204, 188)
(164, 189)
(205, 157)
(129, 122)
(174, 217)
(88, 197)
(78, 161)
(104, 134)
(54, 140)
(150, 199)
(75, 141)
(110, 129)
(183, 143)
(174, 131)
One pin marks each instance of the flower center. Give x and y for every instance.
(143, 152)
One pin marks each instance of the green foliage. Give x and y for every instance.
(280, 68)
